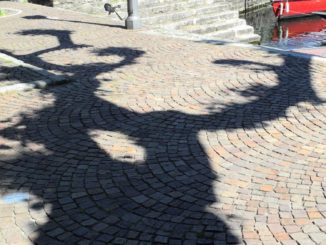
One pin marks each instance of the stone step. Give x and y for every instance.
(228, 34)
(184, 14)
(218, 26)
(244, 30)
(206, 19)
(214, 19)
(246, 34)
(243, 33)
(249, 38)
(153, 9)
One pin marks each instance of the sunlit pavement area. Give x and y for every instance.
(158, 140)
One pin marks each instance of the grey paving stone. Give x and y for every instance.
(318, 237)
(158, 140)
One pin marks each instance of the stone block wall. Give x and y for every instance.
(88, 6)
(242, 5)
(96, 6)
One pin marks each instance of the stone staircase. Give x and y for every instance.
(210, 19)
(192, 19)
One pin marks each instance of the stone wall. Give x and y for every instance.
(96, 6)
(88, 6)
(242, 5)
(263, 20)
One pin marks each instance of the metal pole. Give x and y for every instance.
(245, 8)
(133, 20)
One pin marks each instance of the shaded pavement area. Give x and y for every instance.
(12, 75)
(313, 51)
(158, 140)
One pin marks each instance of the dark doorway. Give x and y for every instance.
(42, 2)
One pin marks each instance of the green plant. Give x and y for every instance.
(2, 12)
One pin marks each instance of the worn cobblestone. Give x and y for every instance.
(158, 140)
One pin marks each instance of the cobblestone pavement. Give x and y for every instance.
(158, 140)
(16, 75)
(12, 74)
(7, 73)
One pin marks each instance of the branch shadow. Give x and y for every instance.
(42, 17)
(87, 194)
(91, 195)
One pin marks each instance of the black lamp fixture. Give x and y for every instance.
(112, 9)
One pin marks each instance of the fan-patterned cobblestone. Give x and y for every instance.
(158, 140)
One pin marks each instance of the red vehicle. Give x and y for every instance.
(294, 8)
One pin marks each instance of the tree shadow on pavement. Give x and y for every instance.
(272, 101)
(88, 195)
(164, 197)
(42, 17)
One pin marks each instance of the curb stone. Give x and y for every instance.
(270, 49)
(200, 39)
(50, 79)
(16, 12)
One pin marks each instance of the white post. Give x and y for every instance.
(133, 20)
